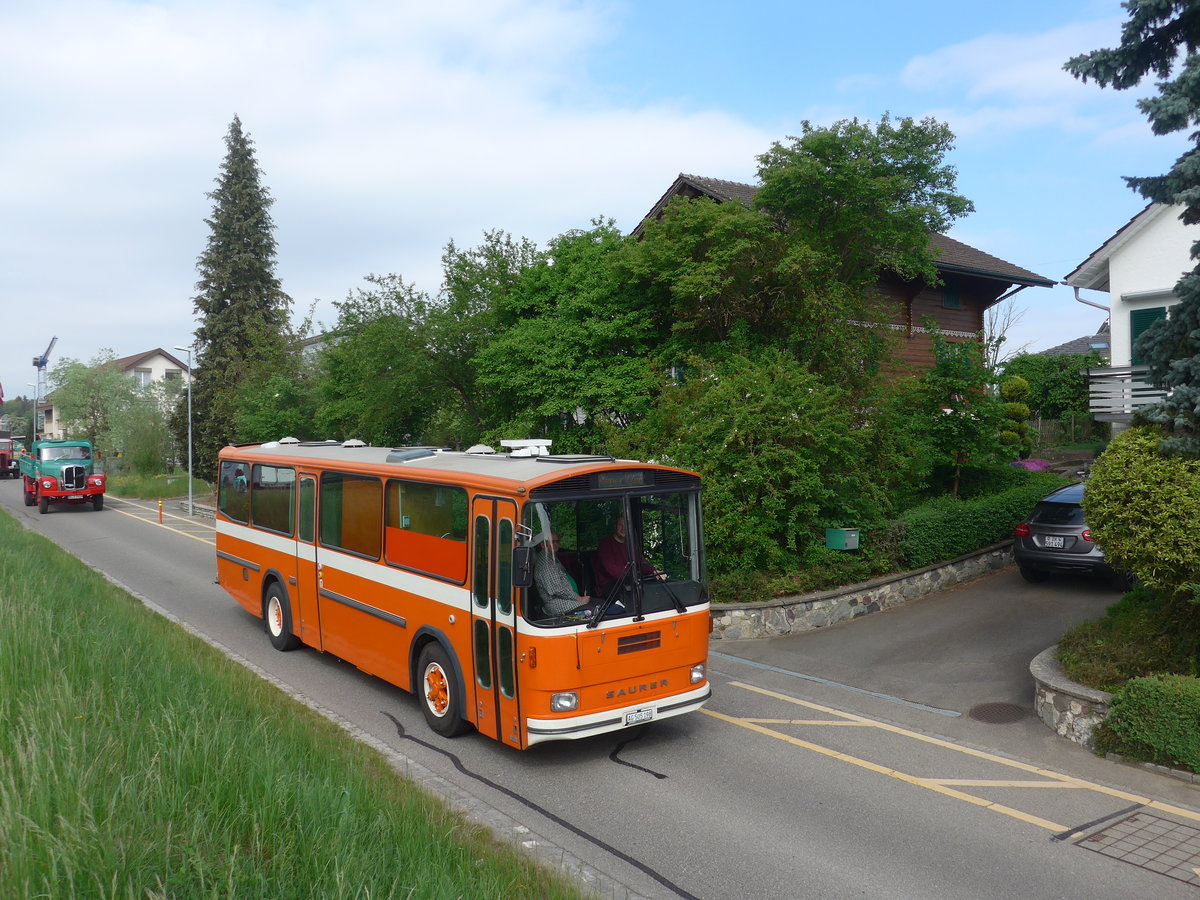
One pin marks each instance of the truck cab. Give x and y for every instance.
(61, 472)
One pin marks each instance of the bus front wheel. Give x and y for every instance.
(277, 618)
(439, 692)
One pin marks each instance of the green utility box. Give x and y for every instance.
(841, 538)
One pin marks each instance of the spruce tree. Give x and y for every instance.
(243, 311)
(1151, 41)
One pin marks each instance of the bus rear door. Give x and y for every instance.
(493, 621)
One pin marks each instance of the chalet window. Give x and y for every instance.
(1139, 321)
(950, 296)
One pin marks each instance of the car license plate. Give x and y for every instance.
(1053, 542)
(639, 715)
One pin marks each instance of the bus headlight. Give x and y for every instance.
(697, 673)
(564, 702)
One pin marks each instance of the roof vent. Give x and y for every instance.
(353, 442)
(405, 454)
(530, 447)
(289, 440)
(481, 450)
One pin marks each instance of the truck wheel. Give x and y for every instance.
(29, 501)
(277, 619)
(439, 691)
(44, 505)
(98, 502)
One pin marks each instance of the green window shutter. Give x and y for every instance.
(1139, 321)
(951, 299)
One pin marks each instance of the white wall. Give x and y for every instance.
(1143, 271)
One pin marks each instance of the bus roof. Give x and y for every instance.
(482, 467)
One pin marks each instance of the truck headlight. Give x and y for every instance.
(564, 701)
(47, 484)
(697, 673)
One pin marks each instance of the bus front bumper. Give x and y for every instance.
(539, 730)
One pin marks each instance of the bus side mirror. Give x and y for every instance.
(522, 566)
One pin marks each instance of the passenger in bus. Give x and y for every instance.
(555, 585)
(611, 558)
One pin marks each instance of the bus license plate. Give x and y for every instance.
(639, 715)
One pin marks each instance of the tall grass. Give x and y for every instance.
(152, 487)
(136, 761)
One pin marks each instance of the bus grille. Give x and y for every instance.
(635, 642)
(74, 478)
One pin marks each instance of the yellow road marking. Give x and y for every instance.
(1056, 779)
(891, 773)
(151, 521)
(809, 722)
(983, 782)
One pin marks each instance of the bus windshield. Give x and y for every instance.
(616, 557)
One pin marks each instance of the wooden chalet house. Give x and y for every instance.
(973, 280)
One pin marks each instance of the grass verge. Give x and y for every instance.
(136, 761)
(152, 487)
(1143, 633)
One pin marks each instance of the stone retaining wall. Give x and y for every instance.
(1071, 709)
(806, 612)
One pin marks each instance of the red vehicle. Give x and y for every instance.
(61, 472)
(8, 459)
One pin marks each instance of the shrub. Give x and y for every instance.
(947, 527)
(1144, 508)
(1143, 633)
(1157, 719)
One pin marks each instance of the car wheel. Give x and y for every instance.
(439, 692)
(1124, 581)
(1034, 575)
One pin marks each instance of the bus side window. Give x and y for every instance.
(233, 500)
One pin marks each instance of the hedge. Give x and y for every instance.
(1157, 719)
(947, 527)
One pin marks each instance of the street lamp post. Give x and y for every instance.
(188, 351)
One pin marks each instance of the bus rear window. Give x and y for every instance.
(427, 528)
(351, 513)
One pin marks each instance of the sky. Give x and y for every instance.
(385, 129)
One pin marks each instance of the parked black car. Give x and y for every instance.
(1055, 539)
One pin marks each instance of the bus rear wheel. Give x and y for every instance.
(439, 691)
(277, 619)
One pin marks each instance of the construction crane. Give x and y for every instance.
(39, 362)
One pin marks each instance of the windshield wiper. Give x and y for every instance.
(611, 597)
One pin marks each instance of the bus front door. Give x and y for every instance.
(493, 688)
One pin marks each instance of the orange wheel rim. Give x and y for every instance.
(437, 692)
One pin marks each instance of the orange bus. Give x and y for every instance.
(493, 585)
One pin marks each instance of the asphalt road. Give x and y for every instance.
(841, 763)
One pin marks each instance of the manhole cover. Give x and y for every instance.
(997, 713)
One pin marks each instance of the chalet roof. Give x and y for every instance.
(126, 363)
(953, 255)
(1092, 273)
(1100, 341)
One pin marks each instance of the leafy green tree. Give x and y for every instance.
(243, 335)
(838, 207)
(1143, 506)
(141, 429)
(1161, 37)
(285, 405)
(1057, 384)
(574, 345)
(960, 417)
(783, 454)
(377, 384)
(90, 396)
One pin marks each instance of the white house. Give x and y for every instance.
(1138, 267)
(144, 368)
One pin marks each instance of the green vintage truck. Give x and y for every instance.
(61, 472)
